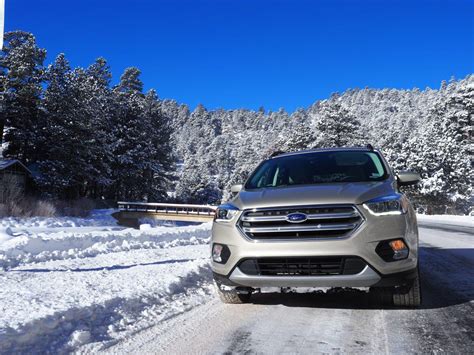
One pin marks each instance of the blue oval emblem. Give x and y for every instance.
(296, 217)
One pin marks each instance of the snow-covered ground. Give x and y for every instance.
(339, 321)
(467, 221)
(88, 285)
(67, 284)
(99, 218)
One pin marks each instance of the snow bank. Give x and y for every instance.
(59, 312)
(58, 245)
(97, 218)
(467, 221)
(62, 291)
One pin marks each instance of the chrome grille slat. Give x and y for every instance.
(320, 227)
(328, 221)
(264, 219)
(310, 216)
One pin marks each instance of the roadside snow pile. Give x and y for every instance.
(67, 291)
(25, 247)
(467, 221)
(97, 218)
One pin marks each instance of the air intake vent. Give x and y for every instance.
(302, 266)
(300, 223)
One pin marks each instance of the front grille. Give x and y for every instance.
(302, 266)
(321, 222)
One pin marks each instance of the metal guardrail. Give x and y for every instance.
(170, 208)
(130, 213)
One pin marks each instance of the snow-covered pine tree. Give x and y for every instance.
(76, 159)
(142, 153)
(99, 111)
(58, 159)
(21, 68)
(128, 165)
(299, 137)
(337, 127)
(158, 153)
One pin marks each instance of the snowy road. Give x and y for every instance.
(91, 286)
(339, 322)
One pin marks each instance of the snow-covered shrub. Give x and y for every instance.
(44, 209)
(27, 207)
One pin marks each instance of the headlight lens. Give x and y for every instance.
(387, 205)
(226, 212)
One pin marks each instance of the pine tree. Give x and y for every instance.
(127, 169)
(158, 156)
(76, 160)
(58, 158)
(301, 136)
(99, 113)
(337, 127)
(443, 151)
(142, 152)
(21, 69)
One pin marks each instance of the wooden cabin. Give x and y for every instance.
(16, 179)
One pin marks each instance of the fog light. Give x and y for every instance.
(216, 253)
(400, 250)
(392, 250)
(220, 253)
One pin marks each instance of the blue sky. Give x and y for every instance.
(250, 53)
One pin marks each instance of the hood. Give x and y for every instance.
(320, 194)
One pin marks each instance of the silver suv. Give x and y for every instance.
(319, 218)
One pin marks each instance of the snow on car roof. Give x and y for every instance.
(315, 150)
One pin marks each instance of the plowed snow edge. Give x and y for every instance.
(77, 328)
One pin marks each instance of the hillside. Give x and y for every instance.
(428, 131)
(89, 138)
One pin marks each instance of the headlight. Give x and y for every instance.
(387, 205)
(226, 212)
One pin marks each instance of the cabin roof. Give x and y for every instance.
(6, 163)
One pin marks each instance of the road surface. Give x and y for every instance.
(341, 321)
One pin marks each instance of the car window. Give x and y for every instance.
(318, 167)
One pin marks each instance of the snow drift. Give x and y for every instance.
(75, 288)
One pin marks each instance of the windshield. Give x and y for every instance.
(318, 168)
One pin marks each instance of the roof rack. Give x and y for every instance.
(275, 153)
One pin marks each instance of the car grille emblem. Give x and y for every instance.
(296, 217)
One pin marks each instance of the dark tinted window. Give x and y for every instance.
(317, 168)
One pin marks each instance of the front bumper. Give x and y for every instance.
(365, 278)
(361, 243)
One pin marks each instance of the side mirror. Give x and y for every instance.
(406, 178)
(235, 189)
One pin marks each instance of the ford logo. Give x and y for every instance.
(296, 217)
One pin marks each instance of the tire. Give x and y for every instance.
(233, 296)
(409, 296)
(382, 296)
(402, 296)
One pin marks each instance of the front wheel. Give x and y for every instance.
(408, 296)
(402, 296)
(232, 296)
